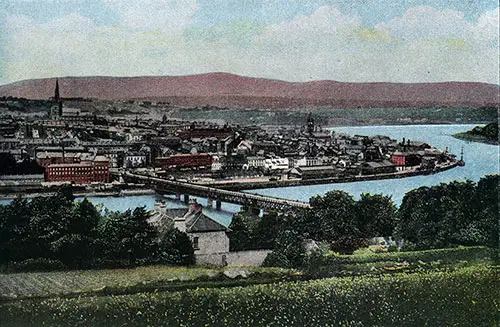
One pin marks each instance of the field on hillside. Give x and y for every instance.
(123, 281)
(465, 297)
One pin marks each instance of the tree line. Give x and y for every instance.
(445, 215)
(59, 232)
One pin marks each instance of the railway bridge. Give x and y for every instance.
(250, 200)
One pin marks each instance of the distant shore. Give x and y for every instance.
(466, 136)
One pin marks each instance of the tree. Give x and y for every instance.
(457, 213)
(332, 217)
(375, 215)
(127, 236)
(86, 218)
(485, 207)
(175, 248)
(267, 229)
(240, 236)
(288, 252)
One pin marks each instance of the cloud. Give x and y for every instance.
(323, 22)
(426, 22)
(155, 14)
(421, 45)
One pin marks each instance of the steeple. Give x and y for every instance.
(57, 98)
(310, 124)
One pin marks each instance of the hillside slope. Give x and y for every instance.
(227, 90)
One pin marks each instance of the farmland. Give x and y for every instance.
(464, 297)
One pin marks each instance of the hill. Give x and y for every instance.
(227, 90)
(485, 134)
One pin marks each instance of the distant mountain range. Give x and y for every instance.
(233, 91)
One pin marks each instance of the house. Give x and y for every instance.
(405, 159)
(313, 172)
(377, 167)
(207, 235)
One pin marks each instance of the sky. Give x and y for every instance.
(409, 41)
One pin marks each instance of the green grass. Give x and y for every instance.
(126, 281)
(465, 297)
(367, 262)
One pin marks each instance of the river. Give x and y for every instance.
(481, 159)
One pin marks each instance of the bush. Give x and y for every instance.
(37, 264)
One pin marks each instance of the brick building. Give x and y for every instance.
(185, 161)
(81, 173)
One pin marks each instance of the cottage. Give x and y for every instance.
(207, 235)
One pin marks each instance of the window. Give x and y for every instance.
(195, 243)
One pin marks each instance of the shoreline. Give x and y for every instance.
(235, 185)
(242, 186)
(90, 194)
(465, 136)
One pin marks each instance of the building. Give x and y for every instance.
(198, 160)
(276, 164)
(84, 172)
(203, 132)
(255, 161)
(313, 172)
(377, 167)
(405, 159)
(207, 235)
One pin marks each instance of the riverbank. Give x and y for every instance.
(249, 184)
(487, 134)
(131, 192)
(466, 136)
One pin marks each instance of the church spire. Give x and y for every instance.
(57, 98)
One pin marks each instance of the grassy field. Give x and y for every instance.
(464, 297)
(124, 281)
(446, 287)
(367, 262)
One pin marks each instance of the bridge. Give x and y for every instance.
(212, 194)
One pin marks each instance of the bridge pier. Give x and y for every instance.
(178, 196)
(210, 203)
(218, 205)
(186, 198)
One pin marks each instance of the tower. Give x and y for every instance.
(310, 124)
(57, 98)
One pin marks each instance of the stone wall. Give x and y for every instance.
(253, 258)
(210, 242)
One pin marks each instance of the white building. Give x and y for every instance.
(276, 164)
(255, 161)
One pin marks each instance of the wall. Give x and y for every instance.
(211, 242)
(240, 258)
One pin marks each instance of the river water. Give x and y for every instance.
(481, 159)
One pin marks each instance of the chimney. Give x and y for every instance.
(194, 206)
(180, 223)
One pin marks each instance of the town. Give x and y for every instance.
(68, 144)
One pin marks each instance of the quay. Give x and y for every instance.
(239, 185)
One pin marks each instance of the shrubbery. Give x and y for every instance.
(57, 231)
(447, 215)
